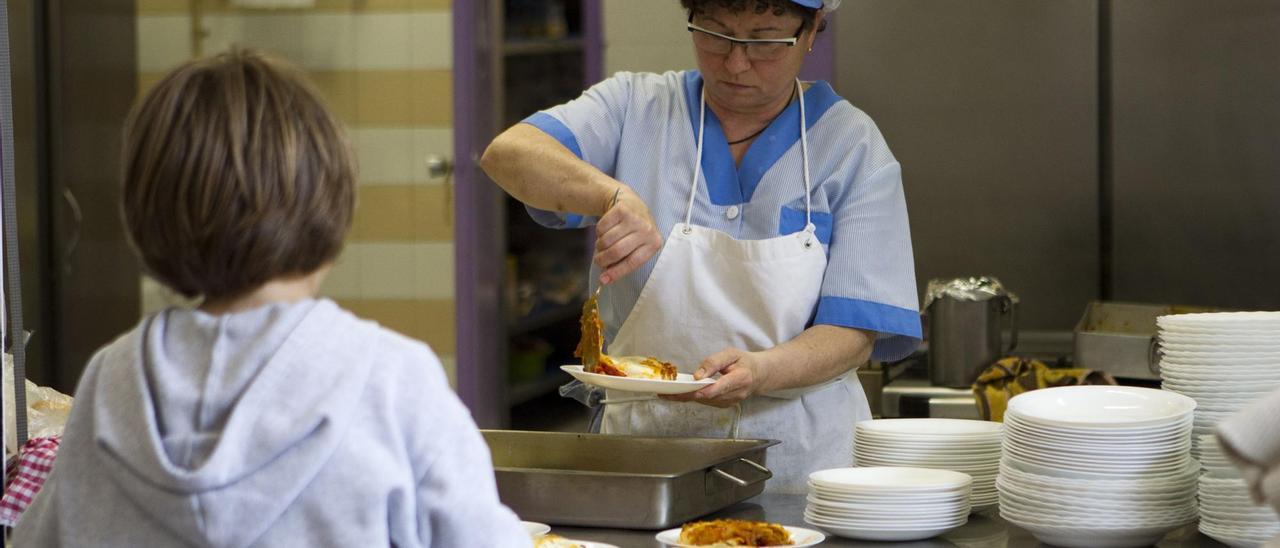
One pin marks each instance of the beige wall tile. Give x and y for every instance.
(430, 321)
(164, 42)
(646, 36)
(403, 213)
(315, 41)
(397, 156)
(389, 270)
(377, 97)
(148, 7)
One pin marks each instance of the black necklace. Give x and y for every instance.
(766, 126)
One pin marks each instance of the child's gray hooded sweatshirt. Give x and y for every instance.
(286, 425)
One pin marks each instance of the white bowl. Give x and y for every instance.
(1083, 472)
(1014, 422)
(1099, 406)
(1012, 510)
(1101, 455)
(1088, 536)
(1172, 481)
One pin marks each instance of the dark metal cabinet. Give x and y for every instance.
(76, 80)
(1196, 93)
(991, 108)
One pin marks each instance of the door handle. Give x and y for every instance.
(77, 218)
(438, 167)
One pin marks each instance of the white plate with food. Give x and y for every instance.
(557, 541)
(681, 384)
(536, 529)
(720, 532)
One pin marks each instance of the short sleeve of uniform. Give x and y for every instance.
(870, 280)
(590, 127)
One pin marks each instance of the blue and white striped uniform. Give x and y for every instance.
(641, 129)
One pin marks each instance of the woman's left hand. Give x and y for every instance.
(742, 374)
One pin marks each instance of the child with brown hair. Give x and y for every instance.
(266, 416)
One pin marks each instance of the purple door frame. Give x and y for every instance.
(478, 243)
(478, 211)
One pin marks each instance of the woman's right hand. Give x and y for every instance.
(626, 237)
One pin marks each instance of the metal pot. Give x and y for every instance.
(964, 330)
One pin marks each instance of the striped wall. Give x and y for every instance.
(385, 68)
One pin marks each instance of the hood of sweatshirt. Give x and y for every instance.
(214, 424)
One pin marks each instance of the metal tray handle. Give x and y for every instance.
(767, 473)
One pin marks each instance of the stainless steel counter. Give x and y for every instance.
(980, 532)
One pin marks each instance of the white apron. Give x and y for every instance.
(708, 292)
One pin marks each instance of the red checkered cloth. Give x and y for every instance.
(27, 476)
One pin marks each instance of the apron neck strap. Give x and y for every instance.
(804, 154)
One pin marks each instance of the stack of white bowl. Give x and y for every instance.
(1098, 466)
(1223, 360)
(968, 446)
(1227, 512)
(888, 503)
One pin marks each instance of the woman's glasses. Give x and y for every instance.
(758, 49)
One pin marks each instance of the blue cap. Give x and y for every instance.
(828, 5)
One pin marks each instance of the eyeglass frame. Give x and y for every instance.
(790, 42)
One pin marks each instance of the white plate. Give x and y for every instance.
(896, 480)
(800, 537)
(536, 529)
(1219, 319)
(1100, 406)
(876, 505)
(882, 534)
(919, 461)
(589, 544)
(924, 428)
(905, 523)
(878, 498)
(684, 382)
(1164, 428)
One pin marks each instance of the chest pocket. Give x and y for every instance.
(792, 220)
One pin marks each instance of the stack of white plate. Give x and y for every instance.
(1223, 360)
(888, 503)
(1227, 512)
(968, 446)
(1213, 462)
(1098, 466)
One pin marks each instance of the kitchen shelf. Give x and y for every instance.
(547, 384)
(539, 46)
(545, 317)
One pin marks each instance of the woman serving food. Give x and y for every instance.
(777, 217)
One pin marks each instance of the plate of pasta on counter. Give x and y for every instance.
(737, 532)
(557, 541)
(627, 373)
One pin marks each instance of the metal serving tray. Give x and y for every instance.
(1121, 338)
(629, 482)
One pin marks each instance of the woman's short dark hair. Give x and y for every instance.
(235, 174)
(777, 7)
